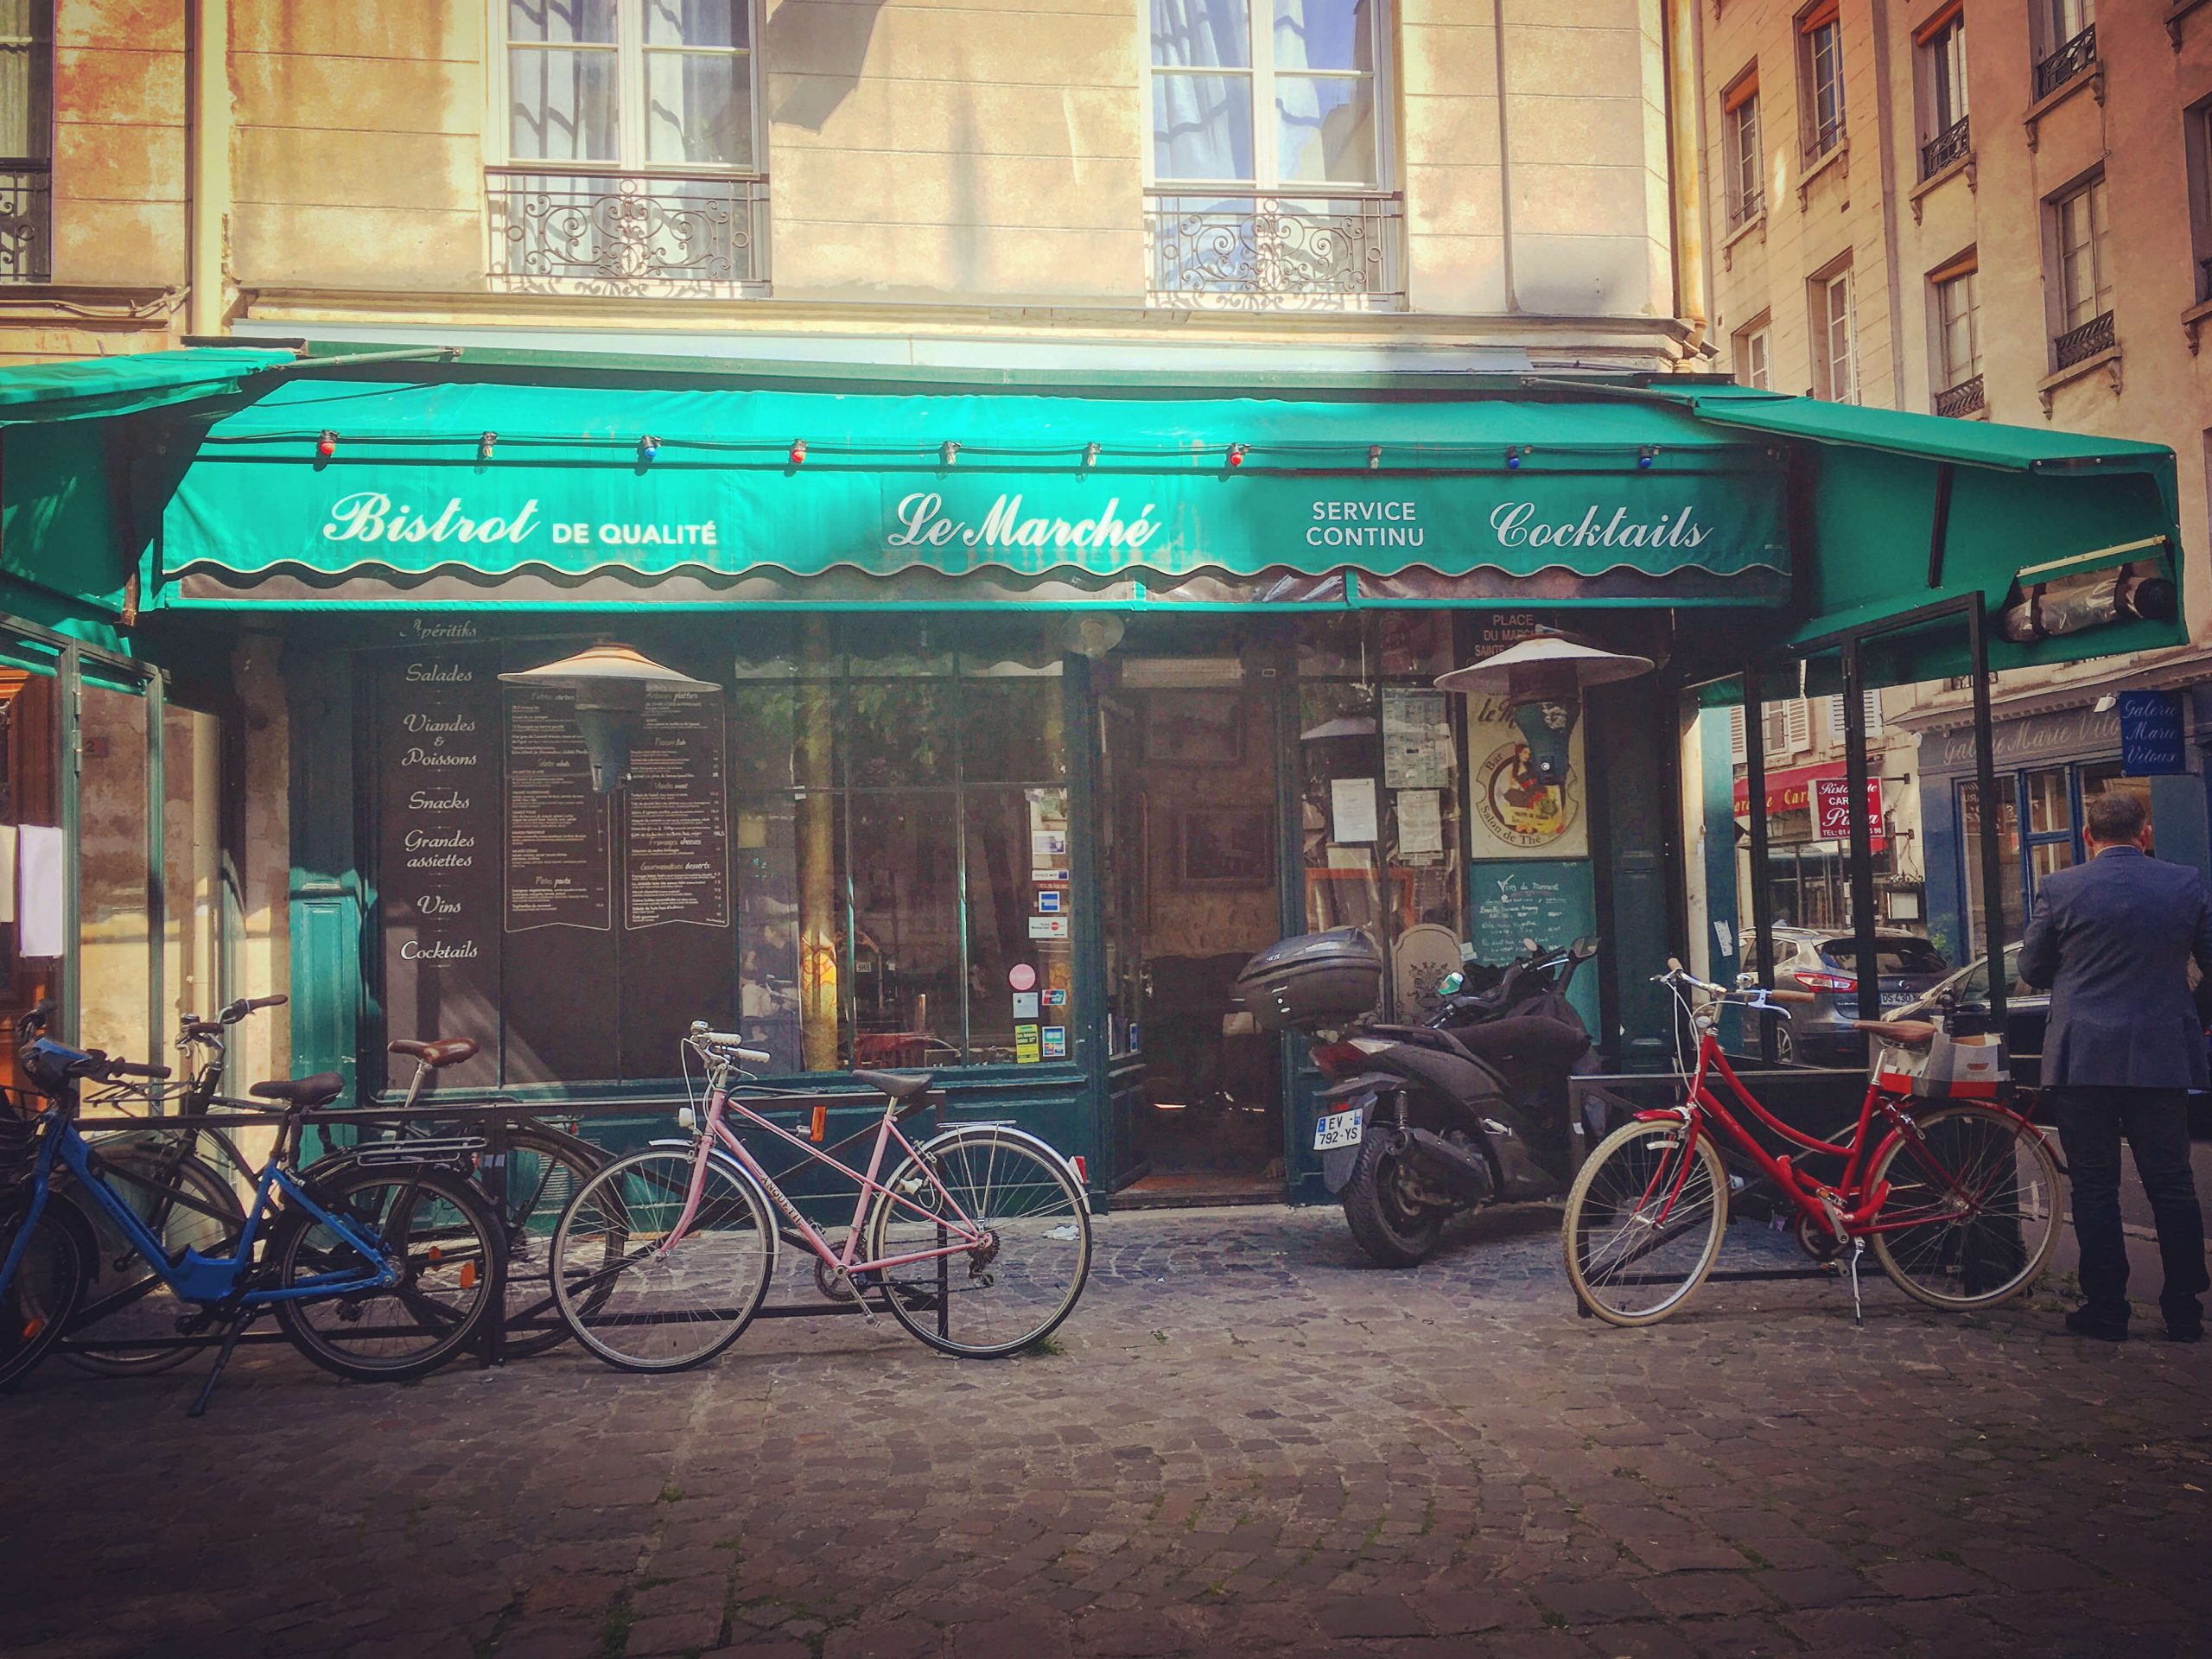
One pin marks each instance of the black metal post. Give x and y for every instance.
(1861, 840)
(1762, 951)
(1984, 784)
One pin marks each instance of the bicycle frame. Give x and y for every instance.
(191, 1276)
(964, 1232)
(1846, 1209)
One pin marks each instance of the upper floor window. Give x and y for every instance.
(1836, 349)
(2065, 34)
(2081, 266)
(1819, 34)
(26, 139)
(1270, 152)
(1942, 82)
(632, 136)
(2196, 132)
(1741, 156)
(1755, 356)
(1958, 338)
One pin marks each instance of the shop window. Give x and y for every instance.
(114, 889)
(1742, 158)
(2012, 914)
(631, 133)
(195, 892)
(1269, 156)
(31, 845)
(1820, 72)
(26, 140)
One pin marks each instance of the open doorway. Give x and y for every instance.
(1191, 788)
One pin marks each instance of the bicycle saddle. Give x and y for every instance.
(899, 1086)
(442, 1051)
(318, 1091)
(1911, 1032)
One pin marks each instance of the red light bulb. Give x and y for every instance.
(798, 451)
(1236, 455)
(327, 445)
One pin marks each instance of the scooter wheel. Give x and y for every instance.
(1384, 1222)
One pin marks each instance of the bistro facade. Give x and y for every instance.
(1026, 716)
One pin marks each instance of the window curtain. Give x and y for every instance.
(1202, 124)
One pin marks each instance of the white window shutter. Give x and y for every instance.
(1797, 723)
(1873, 711)
(1834, 706)
(1774, 728)
(1737, 749)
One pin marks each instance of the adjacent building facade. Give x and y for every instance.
(1985, 211)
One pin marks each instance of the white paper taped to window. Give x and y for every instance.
(39, 853)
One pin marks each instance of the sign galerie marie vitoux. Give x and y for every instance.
(1174, 536)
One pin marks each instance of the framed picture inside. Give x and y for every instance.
(1194, 728)
(1225, 847)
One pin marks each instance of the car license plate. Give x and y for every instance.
(1337, 1130)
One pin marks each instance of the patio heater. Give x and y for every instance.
(1541, 680)
(610, 683)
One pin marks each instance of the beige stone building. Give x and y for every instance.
(1991, 212)
(1446, 182)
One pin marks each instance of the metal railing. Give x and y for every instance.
(631, 234)
(26, 220)
(1268, 252)
(2078, 344)
(2069, 60)
(1823, 139)
(1961, 399)
(1745, 208)
(1946, 147)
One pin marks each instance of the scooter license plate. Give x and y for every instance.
(1337, 1130)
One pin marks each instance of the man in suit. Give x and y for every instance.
(2112, 939)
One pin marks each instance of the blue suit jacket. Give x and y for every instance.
(2112, 940)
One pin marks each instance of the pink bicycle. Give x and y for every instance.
(978, 1240)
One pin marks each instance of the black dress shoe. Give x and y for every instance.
(2082, 1322)
(2193, 1331)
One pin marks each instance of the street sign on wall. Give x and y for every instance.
(2151, 733)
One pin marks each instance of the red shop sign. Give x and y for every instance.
(1832, 809)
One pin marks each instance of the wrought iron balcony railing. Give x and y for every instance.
(1275, 253)
(2069, 60)
(1961, 399)
(26, 220)
(640, 235)
(1946, 147)
(2078, 344)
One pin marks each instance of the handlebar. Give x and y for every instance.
(731, 1043)
(1678, 974)
(153, 1073)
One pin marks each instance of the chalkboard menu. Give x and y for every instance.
(438, 833)
(675, 856)
(559, 871)
(1549, 900)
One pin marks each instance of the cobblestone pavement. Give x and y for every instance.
(1248, 1441)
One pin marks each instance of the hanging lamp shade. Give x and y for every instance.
(610, 684)
(1548, 666)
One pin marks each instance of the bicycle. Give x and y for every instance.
(1958, 1201)
(383, 1271)
(978, 1242)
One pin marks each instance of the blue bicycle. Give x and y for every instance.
(381, 1270)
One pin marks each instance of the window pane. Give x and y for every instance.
(901, 732)
(1415, 642)
(116, 960)
(26, 71)
(1202, 127)
(695, 22)
(904, 973)
(2008, 854)
(2049, 811)
(1339, 740)
(558, 22)
(31, 815)
(1212, 33)
(1002, 896)
(191, 856)
(1010, 731)
(767, 869)
(562, 104)
(1324, 35)
(698, 109)
(1326, 130)
(769, 724)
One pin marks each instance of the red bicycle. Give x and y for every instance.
(1959, 1199)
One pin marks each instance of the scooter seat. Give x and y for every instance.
(1530, 1038)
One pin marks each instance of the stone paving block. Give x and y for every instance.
(1367, 1616)
(1916, 1581)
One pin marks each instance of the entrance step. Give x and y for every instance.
(1202, 1188)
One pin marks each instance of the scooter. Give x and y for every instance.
(1469, 1108)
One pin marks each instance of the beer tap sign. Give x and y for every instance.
(1540, 680)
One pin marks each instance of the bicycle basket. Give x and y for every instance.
(1944, 1068)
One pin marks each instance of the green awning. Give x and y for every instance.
(130, 384)
(1874, 487)
(496, 478)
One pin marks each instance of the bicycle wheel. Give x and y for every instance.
(447, 1242)
(1643, 1222)
(546, 1168)
(186, 1204)
(1002, 1295)
(49, 1283)
(1974, 1211)
(643, 1297)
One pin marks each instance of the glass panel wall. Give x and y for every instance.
(115, 887)
(32, 849)
(192, 864)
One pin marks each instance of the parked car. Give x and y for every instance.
(1825, 961)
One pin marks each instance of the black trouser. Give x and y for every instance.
(2156, 1124)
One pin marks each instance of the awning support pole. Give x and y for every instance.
(1862, 840)
(1762, 896)
(1984, 784)
(1942, 529)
